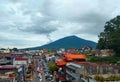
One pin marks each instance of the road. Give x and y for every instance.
(43, 66)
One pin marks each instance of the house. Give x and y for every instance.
(107, 52)
(86, 49)
(7, 73)
(104, 53)
(20, 61)
(4, 50)
(4, 61)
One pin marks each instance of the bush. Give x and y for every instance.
(113, 78)
(99, 77)
(106, 59)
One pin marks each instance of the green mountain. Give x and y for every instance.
(67, 42)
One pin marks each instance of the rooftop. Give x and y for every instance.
(21, 59)
(7, 67)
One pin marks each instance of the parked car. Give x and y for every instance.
(39, 75)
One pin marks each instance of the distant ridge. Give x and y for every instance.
(67, 42)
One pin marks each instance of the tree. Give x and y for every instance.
(52, 67)
(101, 42)
(110, 37)
(15, 49)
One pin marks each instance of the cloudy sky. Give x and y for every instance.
(30, 23)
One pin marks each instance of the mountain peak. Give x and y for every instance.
(71, 36)
(68, 42)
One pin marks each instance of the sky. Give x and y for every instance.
(30, 23)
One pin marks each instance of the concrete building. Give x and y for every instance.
(73, 72)
(5, 50)
(86, 71)
(7, 73)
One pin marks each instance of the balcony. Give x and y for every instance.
(71, 74)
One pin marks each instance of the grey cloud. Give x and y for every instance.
(40, 28)
(10, 41)
(91, 23)
(46, 17)
(40, 24)
(94, 17)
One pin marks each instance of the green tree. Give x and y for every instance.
(15, 49)
(101, 42)
(110, 37)
(52, 67)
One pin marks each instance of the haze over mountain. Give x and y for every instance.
(67, 42)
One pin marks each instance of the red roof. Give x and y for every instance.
(60, 63)
(7, 67)
(74, 56)
(20, 59)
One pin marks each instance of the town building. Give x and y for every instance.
(73, 72)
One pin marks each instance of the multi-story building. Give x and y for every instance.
(73, 72)
(86, 71)
(7, 73)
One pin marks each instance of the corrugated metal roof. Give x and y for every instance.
(20, 58)
(7, 67)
